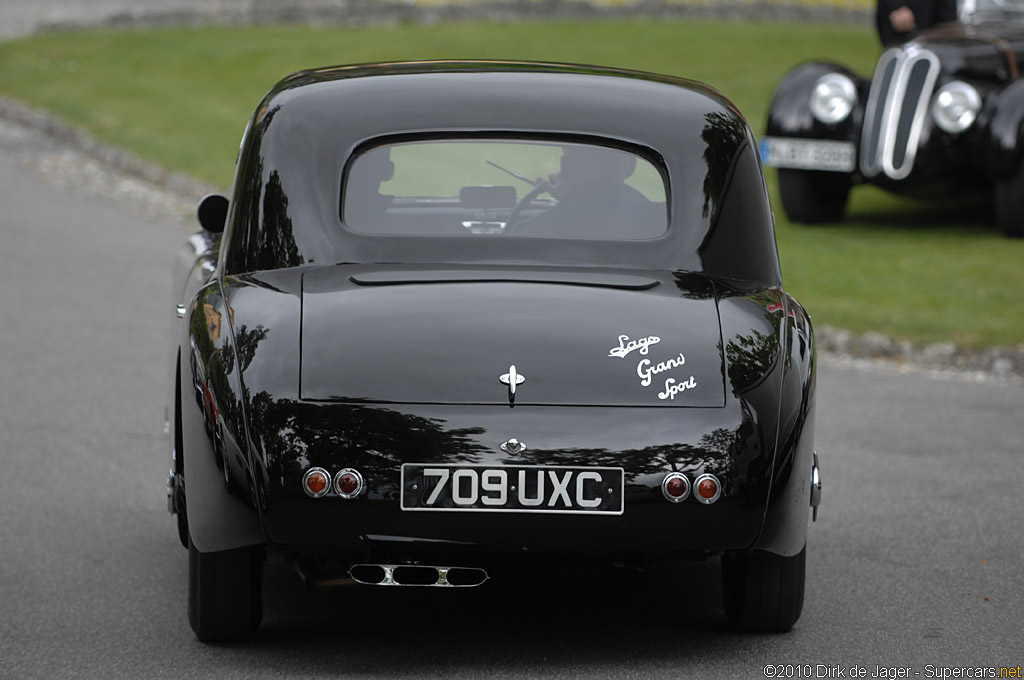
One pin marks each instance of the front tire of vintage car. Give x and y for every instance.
(763, 592)
(814, 197)
(225, 598)
(1009, 204)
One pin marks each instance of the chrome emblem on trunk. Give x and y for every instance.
(513, 446)
(512, 379)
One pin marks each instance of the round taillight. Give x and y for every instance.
(348, 483)
(675, 487)
(316, 482)
(707, 489)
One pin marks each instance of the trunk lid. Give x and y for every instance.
(453, 335)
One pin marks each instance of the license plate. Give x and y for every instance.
(511, 488)
(808, 154)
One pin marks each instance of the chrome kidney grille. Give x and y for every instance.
(897, 105)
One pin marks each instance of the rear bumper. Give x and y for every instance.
(654, 526)
(647, 444)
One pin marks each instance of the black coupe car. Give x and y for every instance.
(943, 116)
(456, 315)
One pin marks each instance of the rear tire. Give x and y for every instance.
(1009, 204)
(225, 598)
(763, 592)
(814, 197)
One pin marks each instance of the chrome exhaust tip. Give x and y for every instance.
(417, 575)
(815, 488)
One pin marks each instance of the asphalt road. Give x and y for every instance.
(917, 557)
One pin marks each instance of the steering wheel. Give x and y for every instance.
(526, 200)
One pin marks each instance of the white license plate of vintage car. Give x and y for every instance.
(512, 488)
(808, 154)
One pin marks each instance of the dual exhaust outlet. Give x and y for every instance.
(417, 575)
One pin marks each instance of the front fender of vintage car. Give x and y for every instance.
(1006, 130)
(790, 112)
(755, 438)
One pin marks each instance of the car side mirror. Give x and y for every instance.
(213, 213)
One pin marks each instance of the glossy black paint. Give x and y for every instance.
(310, 345)
(988, 55)
(558, 334)
(287, 201)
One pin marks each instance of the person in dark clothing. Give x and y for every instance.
(900, 20)
(594, 200)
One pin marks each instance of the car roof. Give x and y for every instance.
(310, 125)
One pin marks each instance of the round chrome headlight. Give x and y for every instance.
(833, 98)
(955, 106)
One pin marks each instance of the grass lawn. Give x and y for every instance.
(181, 97)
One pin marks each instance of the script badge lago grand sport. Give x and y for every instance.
(666, 376)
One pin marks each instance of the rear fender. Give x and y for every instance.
(789, 503)
(220, 516)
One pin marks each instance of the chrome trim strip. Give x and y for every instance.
(815, 488)
(870, 161)
(202, 243)
(171, 484)
(384, 538)
(913, 56)
(887, 104)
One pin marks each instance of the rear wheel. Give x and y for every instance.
(763, 592)
(813, 197)
(1009, 199)
(225, 598)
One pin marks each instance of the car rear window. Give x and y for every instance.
(502, 187)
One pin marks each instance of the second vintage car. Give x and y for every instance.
(457, 315)
(943, 116)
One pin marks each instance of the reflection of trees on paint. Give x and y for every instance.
(264, 237)
(289, 436)
(750, 357)
(724, 134)
(711, 453)
(275, 245)
(376, 441)
(693, 286)
(246, 342)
